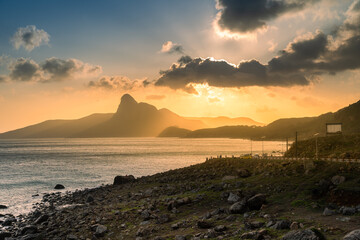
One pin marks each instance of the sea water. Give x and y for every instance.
(31, 167)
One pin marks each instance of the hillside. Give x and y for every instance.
(225, 198)
(339, 146)
(286, 127)
(132, 119)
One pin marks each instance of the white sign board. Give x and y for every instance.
(333, 128)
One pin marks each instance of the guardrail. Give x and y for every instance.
(293, 158)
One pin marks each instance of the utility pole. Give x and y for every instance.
(287, 144)
(251, 145)
(296, 145)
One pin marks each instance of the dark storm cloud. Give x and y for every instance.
(24, 70)
(223, 74)
(249, 15)
(303, 60)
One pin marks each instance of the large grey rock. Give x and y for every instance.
(59, 186)
(255, 202)
(354, 235)
(347, 211)
(306, 234)
(238, 207)
(329, 212)
(118, 180)
(100, 231)
(233, 198)
(281, 224)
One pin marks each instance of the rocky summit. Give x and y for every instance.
(276, 199)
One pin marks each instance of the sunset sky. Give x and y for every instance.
(263, 59)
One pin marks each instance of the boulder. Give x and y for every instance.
(100, 231)
(233, 198)
(336, 180)
(255, 202)
(59, 186)
(163, 218)
(118, 180)
(204, 224)
(281, 224)
(329, 212)
(354, 235)
(238, 207)
(306, 234)
(348, 210)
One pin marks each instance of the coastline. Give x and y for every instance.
(220, 198)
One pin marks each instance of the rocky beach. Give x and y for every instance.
(224, 198)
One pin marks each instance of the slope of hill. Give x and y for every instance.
(213, 122)
(286, 128)
(174, 132)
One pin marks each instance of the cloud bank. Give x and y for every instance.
(51, 70)
(304, 59)
(29, 38)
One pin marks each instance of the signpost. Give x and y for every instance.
(333, 128)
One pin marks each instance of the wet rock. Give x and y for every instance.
(59, 186)
(204, 224)
(238, 207)
(353, 235)
(100, 231)
(9, 221)
(329, 212)
(307, 234)
(118, 180)
(3, 207)
(256, 202)
(233, 198)
(336, 180)
(29, 229)
(42, 219)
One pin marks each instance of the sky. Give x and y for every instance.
(263, 59)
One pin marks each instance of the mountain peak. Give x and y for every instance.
(127, 102)
(127, 99)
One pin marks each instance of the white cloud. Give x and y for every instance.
(29, 38)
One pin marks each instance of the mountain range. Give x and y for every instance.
(132, 119)
(305, 127)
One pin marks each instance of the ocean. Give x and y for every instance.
(31, 167)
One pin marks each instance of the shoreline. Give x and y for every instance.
(220, 198)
